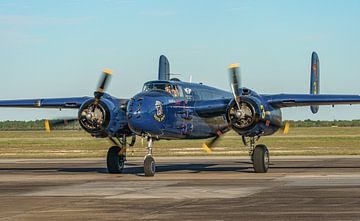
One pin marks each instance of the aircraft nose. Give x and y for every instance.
(145, 116)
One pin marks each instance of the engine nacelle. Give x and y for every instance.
(255, 117)
(103, 119)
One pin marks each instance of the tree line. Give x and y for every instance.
(36, 125)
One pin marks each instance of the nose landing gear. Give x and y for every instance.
(149, 162)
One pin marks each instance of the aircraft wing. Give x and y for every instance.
(66, 103)
(295, 100)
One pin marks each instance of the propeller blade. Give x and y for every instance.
(285, 128)
(234, 82)
(48, 124)
(207, 146)
(103, 83)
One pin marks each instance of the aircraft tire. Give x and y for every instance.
(261, 159)
(115, 163)
(149, 165)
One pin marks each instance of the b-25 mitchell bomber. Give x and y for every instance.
(172, 109)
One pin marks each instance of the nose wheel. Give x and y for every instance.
(149, 162)
(149, 165)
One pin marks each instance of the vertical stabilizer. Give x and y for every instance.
(315, 79)
(164, 68)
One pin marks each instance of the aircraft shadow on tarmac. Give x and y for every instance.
(189, 167)
(136, 169)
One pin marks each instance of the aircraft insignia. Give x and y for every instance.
(187, 90)
(159, 115)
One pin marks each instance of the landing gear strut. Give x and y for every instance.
(149, 162)
(259, 155)
(116, 156)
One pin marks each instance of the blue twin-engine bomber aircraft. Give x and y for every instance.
(172, 109)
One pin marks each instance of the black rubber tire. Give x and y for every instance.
(115, 163)
(149, 166)
(261, 159)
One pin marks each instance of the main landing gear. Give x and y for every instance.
(259, 155)
(115, 159)
(116, 155)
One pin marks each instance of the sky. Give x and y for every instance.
(57, 48)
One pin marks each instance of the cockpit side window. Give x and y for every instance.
(170, 88)
(154, 86)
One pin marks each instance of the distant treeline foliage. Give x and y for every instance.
(40, 124)
(318, 123)
(35, 125)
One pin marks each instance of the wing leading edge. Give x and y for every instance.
(66, 103)
(296, 100)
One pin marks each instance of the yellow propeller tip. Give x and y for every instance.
(235, 65)
(47, 126)
(206, 148)
(286, 128)
(107, 71)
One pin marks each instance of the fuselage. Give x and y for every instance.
(179, 110)
(171, 114)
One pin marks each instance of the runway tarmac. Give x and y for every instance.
(201, 188)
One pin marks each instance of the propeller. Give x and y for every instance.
(91, 115)
(48, 124)
(103, 83)
(234, 73)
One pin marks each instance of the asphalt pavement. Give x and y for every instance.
(191, 188)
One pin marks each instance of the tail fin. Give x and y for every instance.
(164, 68)
(315, 79)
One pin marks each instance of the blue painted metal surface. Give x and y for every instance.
(164, 68)
(67, 103)
(315, 79)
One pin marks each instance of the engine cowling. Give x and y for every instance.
(103, 119)
(246, 118)
(255, 117)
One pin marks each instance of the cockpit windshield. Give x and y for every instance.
(170, 88)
